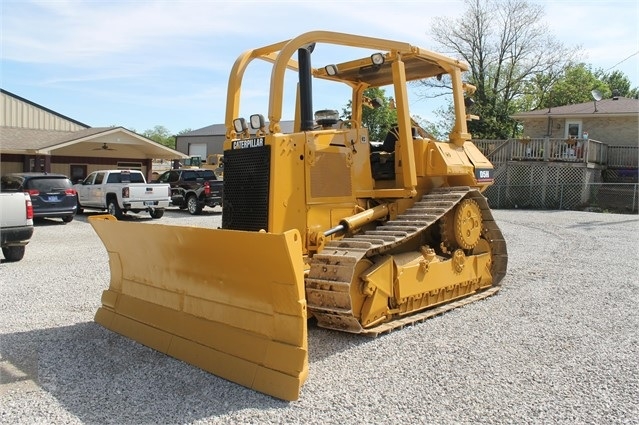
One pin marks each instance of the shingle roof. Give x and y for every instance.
(220, 129)
(621, 106)
(12, 138)
(19, 140)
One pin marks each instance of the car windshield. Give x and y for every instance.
(125, 177)
(10, 183)
(48, 184)
(206, 175)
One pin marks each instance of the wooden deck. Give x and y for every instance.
(584, 151)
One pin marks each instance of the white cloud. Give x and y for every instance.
(175, 54)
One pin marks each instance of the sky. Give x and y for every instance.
(140, 64)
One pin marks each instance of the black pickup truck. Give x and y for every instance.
(193, 188)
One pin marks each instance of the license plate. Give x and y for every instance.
(53, 199)
(149, 203)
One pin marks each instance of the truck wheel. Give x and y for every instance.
(67, 218)
(193, 205)
(156, 212)
(114, 209)
(13, 253)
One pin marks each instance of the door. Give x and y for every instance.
(89, 192)
(573, 129)
(77, 172)
(83, 189)
(97, 196)
(197, 149)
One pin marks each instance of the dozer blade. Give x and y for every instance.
(229, 302)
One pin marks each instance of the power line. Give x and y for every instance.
(619, 63)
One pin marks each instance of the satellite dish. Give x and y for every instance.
(596, 94)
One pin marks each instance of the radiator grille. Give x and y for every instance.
(246, 188)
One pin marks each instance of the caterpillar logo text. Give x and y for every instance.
(249, 143)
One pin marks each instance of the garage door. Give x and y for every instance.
(197, 149)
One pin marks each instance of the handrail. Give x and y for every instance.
(588, 151)
(623, 156)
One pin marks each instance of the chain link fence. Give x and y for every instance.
(604, 197)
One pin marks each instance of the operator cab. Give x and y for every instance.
(383, 156)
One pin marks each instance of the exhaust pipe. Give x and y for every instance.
(306, 87)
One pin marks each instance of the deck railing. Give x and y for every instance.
(623, 156)
(587, 151)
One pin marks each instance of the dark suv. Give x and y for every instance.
(193, 188)
(52, 195)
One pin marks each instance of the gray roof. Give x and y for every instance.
(220, 129)
(20, 140)
(621, 106)
(12, 138)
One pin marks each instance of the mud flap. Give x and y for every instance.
(229, 302)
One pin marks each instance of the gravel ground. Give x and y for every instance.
(558, 344)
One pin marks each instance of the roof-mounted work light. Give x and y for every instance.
(377, 59)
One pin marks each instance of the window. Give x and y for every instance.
(126, 177)
(114, 178)
(206, 175)
(77, 172)
(99, 178)
(137, 178)
(48, 184)
(89, 179)
(130, 166)
(10, 183)
(573, 129)
(169, 177)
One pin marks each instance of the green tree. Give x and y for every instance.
(619, 84)
(506, 44)
(161, 135)
(436, 130)
(574, 85)
(378, 119)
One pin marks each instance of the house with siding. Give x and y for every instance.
(568, 156)
(614, 121)
(35, 138)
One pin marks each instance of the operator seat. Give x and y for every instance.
(391, 138)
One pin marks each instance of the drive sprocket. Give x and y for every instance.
(462, 227)
(468, 224)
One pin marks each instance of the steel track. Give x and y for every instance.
(332, 271)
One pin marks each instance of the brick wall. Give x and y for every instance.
(615, 131)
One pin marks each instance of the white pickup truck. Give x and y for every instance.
(16, 224)
(122, 191)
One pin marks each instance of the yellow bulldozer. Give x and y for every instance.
(215, 162)
(318, 225)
